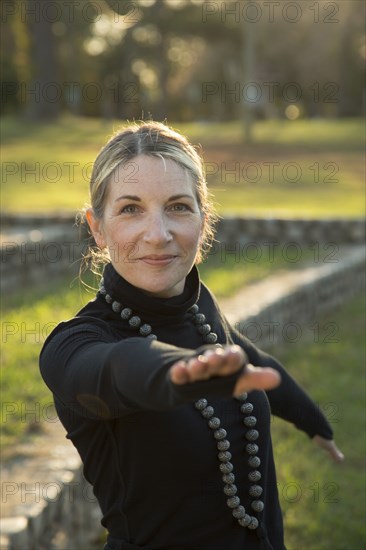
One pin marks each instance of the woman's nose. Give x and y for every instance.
(157, 231)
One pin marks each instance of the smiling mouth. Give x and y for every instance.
(155, 259)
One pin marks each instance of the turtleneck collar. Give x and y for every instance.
(150, 307)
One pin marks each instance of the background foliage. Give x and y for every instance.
(185, 59)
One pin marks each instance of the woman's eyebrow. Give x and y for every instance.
(129, 197)
(172, 198)
(180, 196)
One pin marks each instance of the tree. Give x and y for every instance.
(44, 86)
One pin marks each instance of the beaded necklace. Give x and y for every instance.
(207, 411)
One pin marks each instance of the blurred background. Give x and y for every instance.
(273, 94)
(185, 60)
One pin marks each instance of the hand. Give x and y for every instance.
(329, 446)
(223, 362)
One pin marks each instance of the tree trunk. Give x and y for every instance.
(43, 94)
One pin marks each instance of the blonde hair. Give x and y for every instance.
(157, 140)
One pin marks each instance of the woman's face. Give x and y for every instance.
(151, 224)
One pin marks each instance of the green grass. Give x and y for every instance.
(27, 319)
(323, 502)
(48, 166)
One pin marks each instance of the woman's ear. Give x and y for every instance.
(95, 225)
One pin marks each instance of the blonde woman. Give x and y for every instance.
(168, 406)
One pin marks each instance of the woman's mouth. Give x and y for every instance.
(158, 259)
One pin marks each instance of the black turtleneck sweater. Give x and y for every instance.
(149, 454)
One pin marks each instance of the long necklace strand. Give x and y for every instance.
(207, 411)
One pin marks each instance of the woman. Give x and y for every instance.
(162, 398)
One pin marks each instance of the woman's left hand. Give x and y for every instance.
(329, 446)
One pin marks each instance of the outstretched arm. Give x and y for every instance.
(225, 361)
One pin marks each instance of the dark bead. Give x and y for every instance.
(239, 512)
(255, 491)
(223, 445)
(251, 448)
(145, 330)
(254, 461)
(254, 476)
(250, 421)
(207, 412)
(102, 291)
(241, 397)
(228, 478)
(224, 456)
(220, 433)
(233, 502)
(252, 435)
(204, 329)
(135, 321)
(194, 309)
(126, 313)
(246, 408)
(253, 523)
(245, 521)
(230, 490)
(116, 306)
(257, 505)
(201, 404)
(108, 299)
(214, 423)
(151, 337)
(210, 338)
(226, 467)
(199, 319)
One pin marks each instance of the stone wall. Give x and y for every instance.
(336, 230)
(37, 248)
(69, 519)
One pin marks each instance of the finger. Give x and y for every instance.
(198, 368)
(329, 446)
(221, 362)
(235, 359)
(336, 454)
(178, 373)
(257, 378)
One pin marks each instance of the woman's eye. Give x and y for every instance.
(180, 207)
(129, 209)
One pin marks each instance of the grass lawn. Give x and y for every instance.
(304, 168)
(323, 502)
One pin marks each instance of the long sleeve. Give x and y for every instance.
(96, 376)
